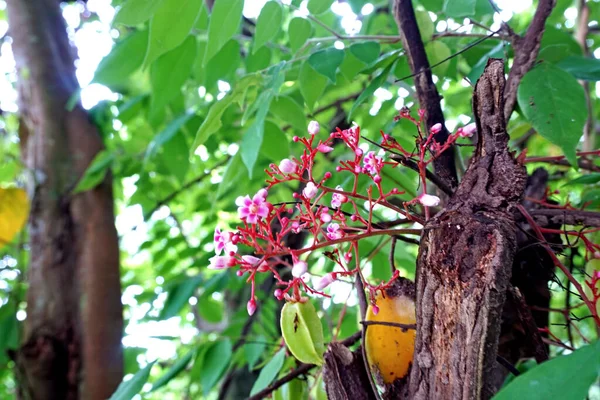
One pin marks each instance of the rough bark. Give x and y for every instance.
(344, 374)
(465, 261)
(429, 98)
(71, 344)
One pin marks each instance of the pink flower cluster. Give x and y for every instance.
(332, 218)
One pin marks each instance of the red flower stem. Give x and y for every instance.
(565, 270)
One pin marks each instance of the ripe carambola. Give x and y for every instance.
(390, 349)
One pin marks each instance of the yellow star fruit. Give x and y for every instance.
(390, 349)
(14, 209)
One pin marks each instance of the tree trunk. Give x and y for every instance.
(465, 260)
(71, 344)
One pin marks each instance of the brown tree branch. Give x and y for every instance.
(546, 216)
(526, 52)
(429, 98)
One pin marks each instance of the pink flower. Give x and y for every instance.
(296, 228)
(323, 148)
(313, 127)
(299, 269)
(251, 306)
(436, 128)
(219, 262)
(334, 232)
(222, 241)
(325, 217)
(251, 210)
(287, 166)
(325, 281)
(373, 163)
(310, 190)
(428, 200)
(468, 130)
(338, 199)
(255, 262)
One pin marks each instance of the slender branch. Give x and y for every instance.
(526, 52)
(167, 199)
(429, 98)
(300, 370)
(547, 216)
(435, 179)
(404, 327)
(353, 238)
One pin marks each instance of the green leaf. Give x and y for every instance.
(9, 333)
(585, 179)
(299, 31)
(564, 377)
(585, 68)
(286, 108)
(128, 389)
(253, 350)
(557, 44)
(123, 60)
(312, 85)
(459, 8)
(210, 310)
(178, 296)
(134, 12)
(369, 90)
(477, 70)
(554, 103)
(294, 390)
(96, 172)
(169, 73)
(175, 156)
(317, 7)
(215, 361)
(366, 52)
(269, 372)
(213, 120)
(259, 60)
(268, 24)
(425, 24)
(438, 52)
(234, 173)
(166, 134)
(351, 66)
(224, 23)
(253, 138)
(590, 198)
(326, 62)
(223, 64)
(275, 143)
(302, 331)
(251, 144)
(170, 26)
(177, 367)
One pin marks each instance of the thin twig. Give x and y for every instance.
(167, 199)
(404, 327)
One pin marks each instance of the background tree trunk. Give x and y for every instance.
(72, 335)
